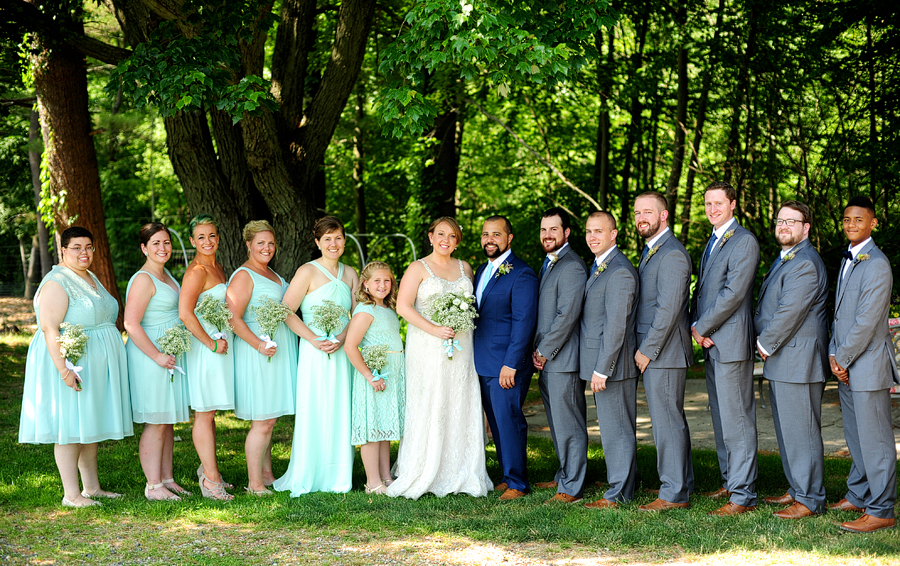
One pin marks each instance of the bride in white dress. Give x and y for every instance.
(442, 450)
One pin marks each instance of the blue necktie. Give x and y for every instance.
(710, 246)
(594, 269)
(645, 252)
(486, 277)
(544, 267)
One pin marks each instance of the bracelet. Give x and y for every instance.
(215, 345)
(65, 374)
(259, 348)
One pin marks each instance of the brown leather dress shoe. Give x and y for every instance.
(731, 509)
(795, 511)
(663, 505)
(511, 494)
(844, 505)
(546, 485)
(563, 498)
(785, 499)
(867, 524)
(720, 493)
(602, 504)
(501, 487)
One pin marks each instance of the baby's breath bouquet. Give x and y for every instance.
(375, 356)
(269, 314)
(72, 342)
(175, 341)
(216, 313)
(329, 318)
(456, 310)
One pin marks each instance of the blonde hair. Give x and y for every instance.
(254, 227)
(363, 296)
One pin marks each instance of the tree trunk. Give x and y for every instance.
(359, 167)
(60, 80)
(732, 151)
(680, 116)
(44, 262)
(698, 128)
(33, 273)
(604, 82)
(634, 127)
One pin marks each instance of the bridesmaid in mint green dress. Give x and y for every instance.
(159, 390)
(378, 400)
(265, 367)
(210, 364)
(321, 452)
(76, 407)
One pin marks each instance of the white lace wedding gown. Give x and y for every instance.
(442, 449)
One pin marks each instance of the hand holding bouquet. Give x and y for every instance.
(375, 356)
(72, 343)
(457, 311)
(269, 314)
(329, 318)
(175, 341)
(215, 312)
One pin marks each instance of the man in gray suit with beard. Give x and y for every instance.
(861, 357)
(722, 318)
(560, 296)
(664, 348)
(607, 354)
(792, 337)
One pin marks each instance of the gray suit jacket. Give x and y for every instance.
(860, 339)
(560, 296)
(608, 340)
(663, 333)
(790, 318)
(723, 297)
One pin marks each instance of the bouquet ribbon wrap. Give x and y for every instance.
(74, 369)
(172, 371)
(330, 337)
(269, 344)
(219, 336)
(377, 376)
(451, 343)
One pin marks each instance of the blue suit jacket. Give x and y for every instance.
(507, 317)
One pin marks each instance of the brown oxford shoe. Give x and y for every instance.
(501, 487)
(663, 505)
(867, 524)
(600, 484)
(602, 504)
(731, 509)
(562, 498)
(511, 494)
(844, 505)
(795, 511)
(546, 485)
(785, 499)
(720, 493)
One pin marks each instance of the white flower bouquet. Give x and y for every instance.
(269, 314)
(72, 343)
(215, 312)
(456, 310)
(329, 318)
(375, 356)
(175, 341)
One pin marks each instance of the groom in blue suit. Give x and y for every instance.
(506, 291)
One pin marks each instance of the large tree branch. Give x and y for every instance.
(535, 153)
(20, 17)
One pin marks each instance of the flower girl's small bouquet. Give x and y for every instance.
(215, 312)
(269, 314)
(456, 310)
(72, 342)
(329, 318)
(175, 341)
(375, 356)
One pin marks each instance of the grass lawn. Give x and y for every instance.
(354, 528)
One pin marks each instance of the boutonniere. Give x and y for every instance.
(725, 237)
(504, 269)
(860, 257)
(602, 267)
(787, 258)
(652, 251)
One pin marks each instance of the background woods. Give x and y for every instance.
(390, 113)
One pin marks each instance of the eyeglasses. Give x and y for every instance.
(79, 249)
(788, 221)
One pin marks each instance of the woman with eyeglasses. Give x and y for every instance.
(74, 404)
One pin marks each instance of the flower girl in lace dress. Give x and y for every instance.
(375, 349)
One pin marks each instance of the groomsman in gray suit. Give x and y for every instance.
(723, 326)
(607, 350)
(560, 297)
(664, 348)
(792, 338)
(861, 357)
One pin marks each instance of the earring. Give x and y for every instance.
(367, 289)
(146, 254)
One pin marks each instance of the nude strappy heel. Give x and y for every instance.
(216, 492)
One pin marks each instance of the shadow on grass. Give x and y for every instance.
(28, 482)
